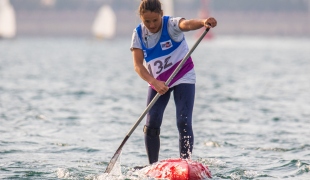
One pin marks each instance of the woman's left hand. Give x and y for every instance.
(210, 22)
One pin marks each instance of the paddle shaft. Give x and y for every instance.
(150, 105)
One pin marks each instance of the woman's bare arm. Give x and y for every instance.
(193, 24)
(138, 59)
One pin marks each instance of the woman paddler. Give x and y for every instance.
(158, 46)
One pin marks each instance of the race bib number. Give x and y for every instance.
(159, 66)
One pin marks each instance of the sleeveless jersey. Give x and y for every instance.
(162, 59)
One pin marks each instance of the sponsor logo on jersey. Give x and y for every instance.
(166, 45)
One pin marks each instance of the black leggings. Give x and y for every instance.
(184, 95)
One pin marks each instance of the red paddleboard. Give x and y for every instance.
(179, 169)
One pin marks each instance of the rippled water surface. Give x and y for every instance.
(66, 104)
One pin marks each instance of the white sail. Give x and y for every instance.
(48, 3)
(105, 23)
(168, 7)
(7, 20)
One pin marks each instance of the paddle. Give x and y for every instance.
(118, 151)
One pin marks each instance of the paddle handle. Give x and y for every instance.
(150, 105)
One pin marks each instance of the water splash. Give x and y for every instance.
(63, 173)
(116, 172)
(187, 145)
(244, 174)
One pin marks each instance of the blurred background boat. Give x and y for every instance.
(104, 26)
(203, 14)
(168, 7)
(7, 20)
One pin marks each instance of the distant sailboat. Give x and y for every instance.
(203, 14)
(48, 3)
(104, 25)
(7, 20)
(168, 7)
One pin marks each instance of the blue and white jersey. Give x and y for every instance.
(163, 58)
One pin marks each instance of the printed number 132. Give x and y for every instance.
(161, 65)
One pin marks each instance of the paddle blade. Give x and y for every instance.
(113, 161)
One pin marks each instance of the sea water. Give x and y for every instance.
(66, 104)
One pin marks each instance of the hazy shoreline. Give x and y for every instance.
(78, 23)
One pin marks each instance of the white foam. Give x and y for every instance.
(63, 173)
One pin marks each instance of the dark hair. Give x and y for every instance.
(150, 5)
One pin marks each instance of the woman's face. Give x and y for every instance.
(152, 21)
